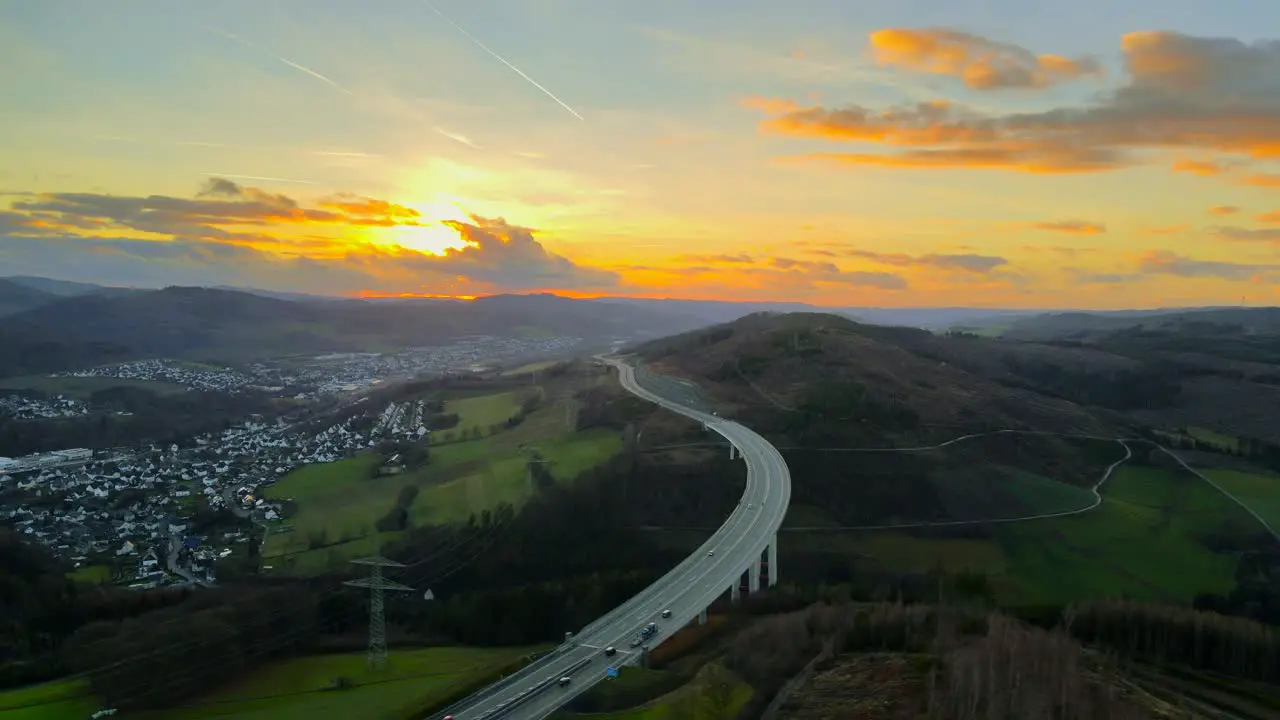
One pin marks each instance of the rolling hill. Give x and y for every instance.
(58, 288)
(897, 384)
(818, 385)
(16, 298)
(1084, 326)
(1183, 372)
(227, 325)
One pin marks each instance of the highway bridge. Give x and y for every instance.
(737, 549)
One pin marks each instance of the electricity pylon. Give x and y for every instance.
(377, 615)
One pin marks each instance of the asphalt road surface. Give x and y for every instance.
(535, 691)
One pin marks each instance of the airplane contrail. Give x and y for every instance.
(502, 60)
(286, 61)
(456, 137)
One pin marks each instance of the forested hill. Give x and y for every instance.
(822, 378)
(1183, 375)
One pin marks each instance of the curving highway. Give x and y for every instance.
(536, 692)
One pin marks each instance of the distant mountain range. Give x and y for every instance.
(712, 311)
(46, 332)
(48, 324)
(1085, 326)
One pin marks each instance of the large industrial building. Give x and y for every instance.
(41, 461)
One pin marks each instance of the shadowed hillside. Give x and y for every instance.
(813, 379)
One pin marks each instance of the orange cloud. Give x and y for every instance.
(1203, 168)
(1073, 227)
(1027, 161)
(228, 231)
(1223, 210)
(1262, 180)
(981, 63)
(1272, 217)
(1182, 93)
(366, 206)
(739, 259)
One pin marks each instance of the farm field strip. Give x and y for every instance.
(339, 503)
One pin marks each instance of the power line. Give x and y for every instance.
(376, 585)
(449, 570)
(288, 637)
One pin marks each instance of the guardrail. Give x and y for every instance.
(534, 691)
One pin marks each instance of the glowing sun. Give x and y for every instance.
(432, 236)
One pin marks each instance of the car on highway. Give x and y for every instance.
(751, 506)
(611, 651)
(565, 680)
(711, 553)
(666, 613)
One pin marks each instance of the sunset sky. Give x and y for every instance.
(911, 153)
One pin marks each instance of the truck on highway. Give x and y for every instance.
(645, 633)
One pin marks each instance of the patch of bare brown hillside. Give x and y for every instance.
(795, 363)
(899, 686)
(915, 662)
(879, 686)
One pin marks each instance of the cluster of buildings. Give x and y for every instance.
(190, 376)
(133, 512)
(132, 509)
(27, 408)
(341, 373)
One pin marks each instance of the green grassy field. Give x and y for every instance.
(61, 700)
(1146, 540)
(1260, 491)
(294, 688)
(1039, 494)
(83, 387)
(341, 502)
(503, 479)
(999, 491)
(1205, 435)
(93, 574)
(1226, 443)
(298, 688)
(483, 411)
